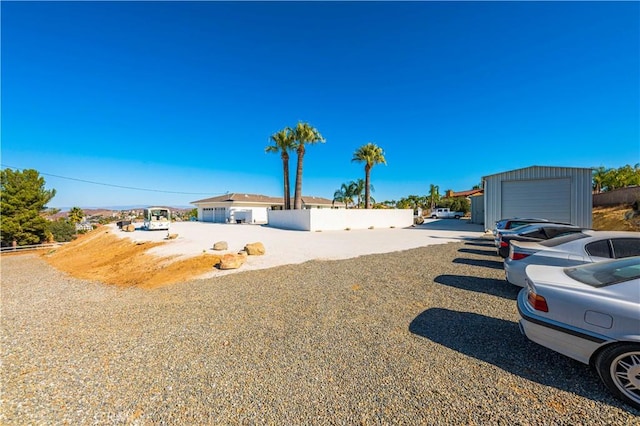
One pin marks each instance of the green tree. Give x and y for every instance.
(75, 215)
(63, 230)
(412, 202)
(609, 179)
(303, 134)
(369, 154)
(22, 198)
(458, 204)
(283, 142)
(345, 194)
(434, 196)
(359, 191)
(599, 177)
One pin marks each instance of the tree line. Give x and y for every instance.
(433, 200)
(609, 179)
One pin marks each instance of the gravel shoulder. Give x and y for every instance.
(426, 335)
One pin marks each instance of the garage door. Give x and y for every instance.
(220, 215)
(207, 214)
(543, 198)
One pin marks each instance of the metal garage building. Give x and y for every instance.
(556, 193)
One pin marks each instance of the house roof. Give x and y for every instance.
(258, 199)
(468, 193)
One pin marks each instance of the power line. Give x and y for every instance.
(113, 185)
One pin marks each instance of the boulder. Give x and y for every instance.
(231, 261)
(129, 228)
(221, 245)
(172, 236)
(254, 249)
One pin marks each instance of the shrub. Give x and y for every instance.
(62, 230)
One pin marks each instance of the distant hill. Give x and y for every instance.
(110, 211)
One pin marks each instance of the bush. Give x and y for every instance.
(458, 204)
(62, 230)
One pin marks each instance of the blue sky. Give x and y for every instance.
(183, 96)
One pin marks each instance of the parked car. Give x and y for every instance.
(514, 230)
(515, 222)
(586, 246)
(533, 232)
(590, 313)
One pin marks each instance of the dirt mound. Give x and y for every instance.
(613, 219)
(102, 256)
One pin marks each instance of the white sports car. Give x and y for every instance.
(590, 313)
(569, 250)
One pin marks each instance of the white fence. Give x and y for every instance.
(340, 219)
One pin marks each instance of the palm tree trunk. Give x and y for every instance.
(287, 190)
(297, 200)
(367, 176)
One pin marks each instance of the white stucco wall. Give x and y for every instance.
(339, 219)
(257, 214)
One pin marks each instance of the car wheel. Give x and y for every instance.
(457, 217)
(619, 369)
(434, 216)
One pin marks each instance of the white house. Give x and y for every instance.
(248, 208)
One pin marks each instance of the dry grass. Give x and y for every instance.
(101, 256)
(613, 219)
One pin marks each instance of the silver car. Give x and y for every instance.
(590, 313)
(586, 246)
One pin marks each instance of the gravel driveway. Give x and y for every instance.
(423, 336)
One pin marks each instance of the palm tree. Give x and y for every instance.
(599, 177)
(283, 143)
(75, 215)
(369, 154)
(344, 194)
(302, 134)
(434, 196)
(358, 191)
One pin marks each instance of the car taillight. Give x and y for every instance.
(517, 255)
(537, 302)
(504, 244)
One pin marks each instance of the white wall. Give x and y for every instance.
(339, 219)
(257, 214)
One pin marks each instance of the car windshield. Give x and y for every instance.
(602, 274)
(563, 239)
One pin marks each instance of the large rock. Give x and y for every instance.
(221, 245)
(254, 249)
(129, 228)
(231, 261)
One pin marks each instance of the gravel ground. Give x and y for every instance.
(422, 336)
